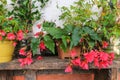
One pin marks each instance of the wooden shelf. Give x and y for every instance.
(8, 69)
(46, 63)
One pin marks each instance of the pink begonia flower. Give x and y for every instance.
(104, 44)
(39, 58)
(20, 35)
(76, 62)
(68, 69)
(28, 60)
(21, 60)
(2, 33)
(103, 56)
(111, 58)
(22, 52)
(104, 64)
(73, 53)
(84, 65)
(14, 44)
(25, 61)
(96, 62)
(90, 56)
(38, 26)
(42, 46)
(11, 36)
(37, 35)
(0, 37)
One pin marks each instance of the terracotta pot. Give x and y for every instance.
(6, 51)
(63, 55)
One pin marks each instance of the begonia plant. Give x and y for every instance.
(96, 30)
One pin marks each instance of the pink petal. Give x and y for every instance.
(14, 44)
(68, 69)
(39, 58)
(76, 62)
(39, 26)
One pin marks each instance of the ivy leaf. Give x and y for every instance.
(49, 43)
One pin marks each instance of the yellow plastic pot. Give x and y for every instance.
(6, 51)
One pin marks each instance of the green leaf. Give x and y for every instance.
(25, 2)
(95, 37)
(75, 37)
(55, 32)
(62, 46)
(69, 28)
(116, 32)
(49, 43)
(64, 40)
(34, 45)
(91, 44)
(48, 24)
(92, 33)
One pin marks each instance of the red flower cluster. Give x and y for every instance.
(100, 59)
(42, 46)
(11, 36)
(28, 57)
(27, 60)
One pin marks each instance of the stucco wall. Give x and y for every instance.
(51, 12)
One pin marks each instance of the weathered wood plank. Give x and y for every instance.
(30, 75)
(3, 75)
(6, 75)
(9, 75)
(46, 63)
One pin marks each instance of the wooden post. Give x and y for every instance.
(6, 75)
(3, 75)
(114, 74)
(30, 75)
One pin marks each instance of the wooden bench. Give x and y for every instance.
(54, 66)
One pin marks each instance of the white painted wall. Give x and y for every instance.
(50, 12)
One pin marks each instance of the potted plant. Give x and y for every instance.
(91, 31)
(96, 30)
(11, 31)
(65, 39)
(28, 13)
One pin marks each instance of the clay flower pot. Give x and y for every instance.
(63, 55)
